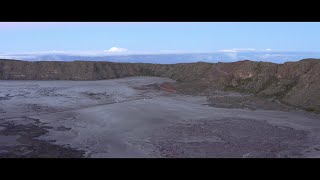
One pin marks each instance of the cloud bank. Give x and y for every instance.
(236, 50)
(116, 49)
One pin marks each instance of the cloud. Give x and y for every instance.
(46, 52)
(18, 57)
(232, 55)
(268, 49)
(171, 51)
(228, 50)
(237, 50)
(35, 53)
(265, 56)
(116, 49)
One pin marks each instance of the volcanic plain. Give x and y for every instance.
(150, 117)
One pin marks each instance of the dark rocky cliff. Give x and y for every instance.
(294, 83)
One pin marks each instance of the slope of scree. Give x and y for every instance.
(293, 83)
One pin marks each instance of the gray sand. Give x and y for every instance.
(114, 118)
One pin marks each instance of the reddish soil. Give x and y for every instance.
(167, 87)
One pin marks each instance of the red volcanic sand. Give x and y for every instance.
(168, 87)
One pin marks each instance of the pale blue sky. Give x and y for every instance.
(155, 37)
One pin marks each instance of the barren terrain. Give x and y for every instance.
(135, 117)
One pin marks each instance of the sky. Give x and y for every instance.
(158, 37)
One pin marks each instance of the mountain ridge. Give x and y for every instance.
(293, 83)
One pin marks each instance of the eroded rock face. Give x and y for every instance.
(294, 83)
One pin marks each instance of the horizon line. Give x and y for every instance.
(164, 52)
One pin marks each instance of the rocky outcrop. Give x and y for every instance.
(294, 83)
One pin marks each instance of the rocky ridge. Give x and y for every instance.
(293, 83)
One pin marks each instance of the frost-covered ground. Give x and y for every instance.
(118, 118)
